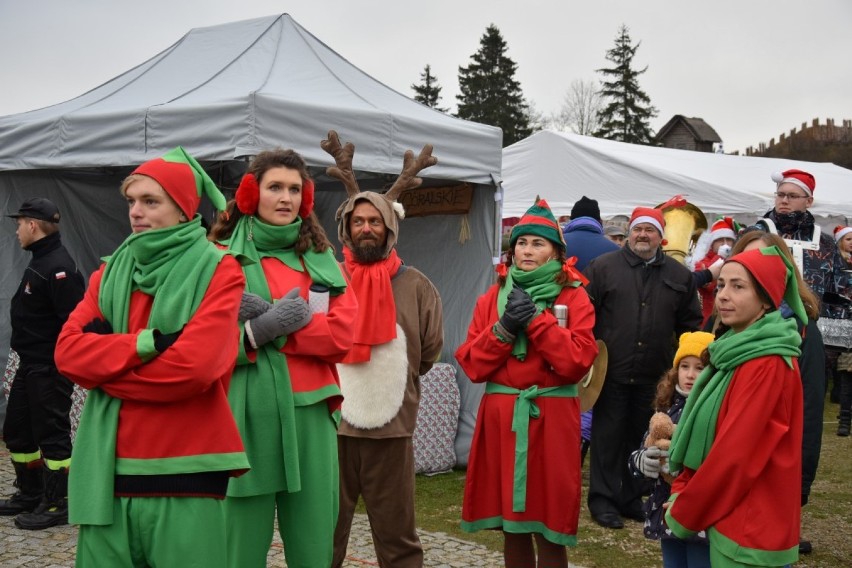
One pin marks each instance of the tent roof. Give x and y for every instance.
(563, 167)
(232, 90)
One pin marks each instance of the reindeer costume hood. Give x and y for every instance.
(391, 210)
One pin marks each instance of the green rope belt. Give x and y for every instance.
(525, 409)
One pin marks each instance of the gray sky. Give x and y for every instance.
(751, 68)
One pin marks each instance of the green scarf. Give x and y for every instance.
(175, 266)
(542, 287)
(696, 430)
(269, 377)
(256, 239)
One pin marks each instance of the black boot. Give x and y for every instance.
(53, 509)
(30, 484)
(845, 423)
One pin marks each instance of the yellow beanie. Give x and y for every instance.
(692, 343)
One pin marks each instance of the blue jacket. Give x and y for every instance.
(584, 238)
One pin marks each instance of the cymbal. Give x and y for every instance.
(592, 383)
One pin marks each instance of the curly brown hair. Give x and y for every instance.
(311, 235)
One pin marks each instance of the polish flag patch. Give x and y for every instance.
(60, 275)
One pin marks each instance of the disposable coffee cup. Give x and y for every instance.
(318, 298)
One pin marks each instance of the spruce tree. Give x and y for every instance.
(627, 110)
(489, 92)
(428, 91)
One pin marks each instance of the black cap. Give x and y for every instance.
(586, 207)
(38, 208)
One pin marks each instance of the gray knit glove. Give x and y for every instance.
(289, 314)
(252, 306)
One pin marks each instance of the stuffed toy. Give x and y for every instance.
(660, 432)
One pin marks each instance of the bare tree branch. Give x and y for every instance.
(580, 108)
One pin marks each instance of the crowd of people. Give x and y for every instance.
(240, 374)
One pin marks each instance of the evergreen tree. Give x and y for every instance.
(627, 111)
(428, 91)
(489, 92)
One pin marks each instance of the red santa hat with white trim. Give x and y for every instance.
(840, 231)
(648, 215)
(724, 228)
(797, 177)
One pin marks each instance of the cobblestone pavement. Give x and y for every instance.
(55, 547)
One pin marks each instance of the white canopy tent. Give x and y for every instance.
(563, 167)
(225, 93)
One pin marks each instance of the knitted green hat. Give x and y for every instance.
(184, 180)
(539, 221)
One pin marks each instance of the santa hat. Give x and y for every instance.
(183, 178)
(776, 274)
(692, 344)
(647, 215)
(840, 231)
(797, 177)
(724, 228)
(538, 221)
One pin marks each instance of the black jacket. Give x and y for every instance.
(50, 289)
(640, 311)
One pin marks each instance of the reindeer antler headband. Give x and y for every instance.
(387, 203)
(407, 179)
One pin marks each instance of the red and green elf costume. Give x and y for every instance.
(738, 444)
(157, 441)
(286, 399)
(521, 475)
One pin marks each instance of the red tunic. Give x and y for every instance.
(176, 404)
(555, 356)
(749, 487)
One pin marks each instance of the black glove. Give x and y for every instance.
(163, 341)
(519, 311)
(98, 325)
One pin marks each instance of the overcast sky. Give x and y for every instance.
(751, 68)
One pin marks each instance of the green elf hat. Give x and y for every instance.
(776, 274)
(184, 180)
(539, 221)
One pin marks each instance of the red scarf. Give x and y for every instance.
(376, 322)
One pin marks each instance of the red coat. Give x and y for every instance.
(748, 490)
(708, 291)
(175, 404)
(555, 356)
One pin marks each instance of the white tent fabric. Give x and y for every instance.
(230, 91)
(563, 167)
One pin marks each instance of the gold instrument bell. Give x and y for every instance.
(684, 224)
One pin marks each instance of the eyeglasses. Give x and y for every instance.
(791, 196)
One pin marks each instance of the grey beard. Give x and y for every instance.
(368, 253)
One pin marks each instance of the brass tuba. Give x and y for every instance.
(684, 224)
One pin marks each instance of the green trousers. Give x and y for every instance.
(306, 520)
(157, 532)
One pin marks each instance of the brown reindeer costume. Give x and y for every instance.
(398, 337)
